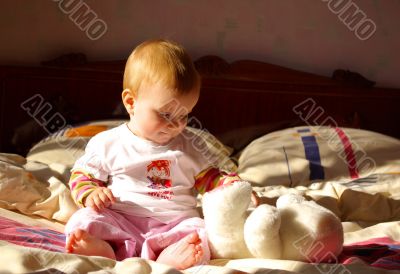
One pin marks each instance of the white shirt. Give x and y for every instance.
(147, 179)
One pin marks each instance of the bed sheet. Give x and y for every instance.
(373, 249)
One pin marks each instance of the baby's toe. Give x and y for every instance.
(69, 244)
(192, 238)
(198, 256)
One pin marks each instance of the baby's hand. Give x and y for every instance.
(100, 198)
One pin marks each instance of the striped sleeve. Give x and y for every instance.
(82, 184)
(211, 178)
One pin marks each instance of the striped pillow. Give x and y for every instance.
(303, 155)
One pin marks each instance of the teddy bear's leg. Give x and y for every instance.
(225, 211)
(309, 232)
(261, 232)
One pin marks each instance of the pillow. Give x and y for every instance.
(67, 145)
(304, 155)
(216, 150)
(239, 138)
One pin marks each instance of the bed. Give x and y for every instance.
(333, 139)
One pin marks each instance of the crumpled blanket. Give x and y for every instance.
(377, 252)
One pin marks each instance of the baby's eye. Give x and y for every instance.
(165, 115)
(183, 117)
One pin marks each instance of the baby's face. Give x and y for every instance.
(159, 115)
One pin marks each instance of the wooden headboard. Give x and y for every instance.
(38, 100)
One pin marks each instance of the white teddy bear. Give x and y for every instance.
(295, 229)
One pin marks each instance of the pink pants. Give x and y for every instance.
(132, 236)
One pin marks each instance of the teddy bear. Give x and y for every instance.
(296, 229)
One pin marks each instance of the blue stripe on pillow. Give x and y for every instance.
(312, 155)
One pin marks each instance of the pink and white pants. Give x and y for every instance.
(132, 236)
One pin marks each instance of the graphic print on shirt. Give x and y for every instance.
(158, 173)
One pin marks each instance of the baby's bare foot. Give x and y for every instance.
(184, 253)
(81, 242)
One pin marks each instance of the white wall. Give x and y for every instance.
(300, 34)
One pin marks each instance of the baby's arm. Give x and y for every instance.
(212, 177)
(89, 191)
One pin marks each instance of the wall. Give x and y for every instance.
(301, 34)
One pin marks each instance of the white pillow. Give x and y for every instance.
(67, 145)
(303, 155)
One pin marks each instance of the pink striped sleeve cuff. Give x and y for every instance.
(211, 178)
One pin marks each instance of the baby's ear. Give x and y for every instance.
(128, 99)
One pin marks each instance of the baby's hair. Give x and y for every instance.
(161, 62)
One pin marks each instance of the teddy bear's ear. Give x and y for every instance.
(227, 200)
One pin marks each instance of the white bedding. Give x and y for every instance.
(35, 194)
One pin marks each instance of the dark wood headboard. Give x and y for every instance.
(237, 95)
